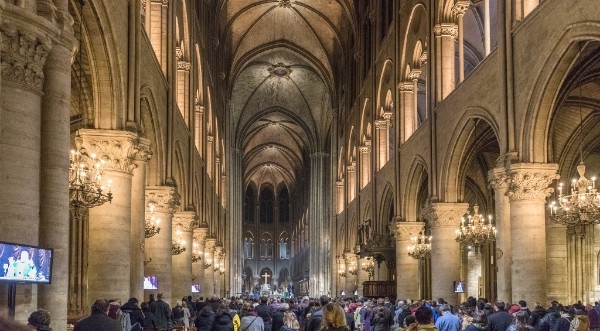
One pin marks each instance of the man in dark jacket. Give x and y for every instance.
(161, 311)
(98, 320)
(205, 319)
(500, 319)
(278, 316)
(315, 318)
(263, 310)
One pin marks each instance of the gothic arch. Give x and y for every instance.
(417, 177)
(151, 129)
(180, 174)
(533, 135)
(386, 210)
(417, 30)
(386, 82)
(453, 163)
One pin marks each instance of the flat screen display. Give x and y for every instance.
(24, 263)
(150, 283)
(196, 288)
(459, 286)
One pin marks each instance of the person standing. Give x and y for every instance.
(40, 320)
(448, 321)
(162, 312)
(500, 319)
(251, 321)
(334, 318)
(98, 320)
(186, 315)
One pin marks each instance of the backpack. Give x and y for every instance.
(124, 319)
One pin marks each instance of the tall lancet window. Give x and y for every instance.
(284, 206)
(266, 206)
(284, 247)
(248, 247)
(266, 247)
(249, 206)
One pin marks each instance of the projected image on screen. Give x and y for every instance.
(150, 283)
(195, 288)
(25, 263)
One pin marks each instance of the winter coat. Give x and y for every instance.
(252, 323)
(204, 320)
(223, 322)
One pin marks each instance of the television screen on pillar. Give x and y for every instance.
(150, 283)
(459, 286)
(196, 288)
(25, 263)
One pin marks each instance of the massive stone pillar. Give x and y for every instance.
(110, 223)
(444, 219)
(445, 79)
(408, 111)
(351, 273)
(216, 268)
(199, 234)
(499, 182)
(234, 235)
(183, 224)
(407, 268)
(138, 217)
(158, 248)
(54, 204)
(365, 163)
(208, 286)
(320, 259)
(528, 189)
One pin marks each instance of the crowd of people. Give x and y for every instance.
(325, 314)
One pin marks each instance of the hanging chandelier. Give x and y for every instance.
(421, 246)
(86, 189)
(177, 246)
(580, 206)
(476, 231)
(196, 254)
(151, 227)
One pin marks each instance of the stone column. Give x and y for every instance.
(54, 204)
(527, 191)
(408, 112)
(183, 224)
(183, 85)
(319, 259)
(138, 218)
(156, 26)
(487, 27)
(158, 248)
(499, 183)
(445, 78)
(365, 163)
(339, 197)
(351, 273)
(351, 178)
(209, 155)
(110, 223)
(234, 239)
(208, 287)
(199, 234)
(381, 152)
(407, 268)
(216, 268)
(444, 219)
(459, 9)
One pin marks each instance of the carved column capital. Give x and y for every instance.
(199, 108)
(414, 75)
(184, 221)
(498, 180)
(142, 151)
(444, 214)
(406, 230)
(164, 198)
(209, 244)
(210, 138)
(184, 65)
(460, 8)
(118, 149)
(351, 168)
(200, 234)
(380, 124)
(23, 56)
(529, 181)
(364, 149)
(445, 30)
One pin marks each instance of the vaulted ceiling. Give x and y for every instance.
(281, 58)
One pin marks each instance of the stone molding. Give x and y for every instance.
(184, 221)
(381, 124)
(364, 149)
(445, 30)
(143, 151)
(406, 87)
(387, 116)
(351, 168)
(406, 230)
(319, 155)
(118, 149)
(165, 198)
(184, 65)
(529, 181)
(210, 138)
(414, 75)
(199, 108)
(23, 56)
(444, 214)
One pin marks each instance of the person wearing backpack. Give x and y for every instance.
(136, 316)
(178, 314)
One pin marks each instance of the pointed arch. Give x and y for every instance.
(417, 178)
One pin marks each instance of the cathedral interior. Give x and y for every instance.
(402, 148)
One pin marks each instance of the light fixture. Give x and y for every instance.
(342, 270)
(196, 254)
(421, 246)
(369, 266)
(151, 227)
(207, 261)
(86, 189)
(476, 231)
(177, 246)
(580, 206)
(352, 268)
